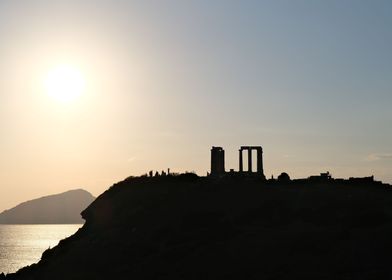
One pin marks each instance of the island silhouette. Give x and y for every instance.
(228, 225)
(62, 208)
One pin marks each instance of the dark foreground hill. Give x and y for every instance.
(187, 227)
(63, 208)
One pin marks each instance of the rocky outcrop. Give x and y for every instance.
(187, 227)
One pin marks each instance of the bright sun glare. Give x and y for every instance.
(65, 83)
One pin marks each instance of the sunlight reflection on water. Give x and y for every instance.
(22, 245)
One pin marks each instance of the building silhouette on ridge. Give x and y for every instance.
(218, 161)
(218, 169)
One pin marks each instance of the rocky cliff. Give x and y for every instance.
(187, 227)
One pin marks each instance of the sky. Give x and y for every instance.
(164, 81)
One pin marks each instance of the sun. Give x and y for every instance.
(65, 83)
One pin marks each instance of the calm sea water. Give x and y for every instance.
(22, 245)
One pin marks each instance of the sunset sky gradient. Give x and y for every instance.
(310, 81)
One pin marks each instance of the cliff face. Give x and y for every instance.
(63, 208)
(196, 228)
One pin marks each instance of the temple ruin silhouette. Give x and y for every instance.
(218, 161)
(218, 169)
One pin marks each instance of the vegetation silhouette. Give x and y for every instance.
(284, 177)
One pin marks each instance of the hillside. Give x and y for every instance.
(63, 208)
(187, 227)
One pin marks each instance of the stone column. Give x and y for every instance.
(260, 161)
(222, 161)
(249, 160)
(241, 165)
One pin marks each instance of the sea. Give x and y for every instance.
(22, 245)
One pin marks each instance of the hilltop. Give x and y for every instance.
(190, 227)
(63, 208)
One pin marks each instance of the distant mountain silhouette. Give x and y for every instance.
(190, 227)
(63, 208)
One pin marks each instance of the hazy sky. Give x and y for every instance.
(310, 81)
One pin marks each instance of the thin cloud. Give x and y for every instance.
(376, 157)
(131, 159)
(289, 156)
